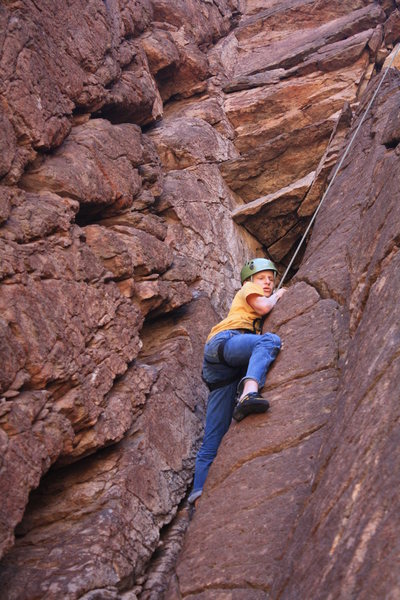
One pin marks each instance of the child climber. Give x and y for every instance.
(237, 356)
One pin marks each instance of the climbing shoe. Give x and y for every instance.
(194, 495)
(248, 404)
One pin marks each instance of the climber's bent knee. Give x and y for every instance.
(271, 338)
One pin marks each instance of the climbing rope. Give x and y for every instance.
(339, 166)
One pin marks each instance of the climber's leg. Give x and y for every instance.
(218, 418)
(252, 352)
(259, 351)
(256, 351)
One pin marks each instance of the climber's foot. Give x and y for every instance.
(248, 404)
(194, 496)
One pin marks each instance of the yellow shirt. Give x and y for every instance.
(241, 315)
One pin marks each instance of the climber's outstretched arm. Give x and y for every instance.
(263, 305)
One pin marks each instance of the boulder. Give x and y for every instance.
(134, 97)
(97, 165)
(208, 108)
(29, 216)
(184, 142)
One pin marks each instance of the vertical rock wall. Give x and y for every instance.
(137, 139)
(98, 246)
(303, 502)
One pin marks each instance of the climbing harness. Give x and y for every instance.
(338, 167)
(221, 358)
(222, 383)
(258, 325)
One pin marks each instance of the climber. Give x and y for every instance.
(237, 356)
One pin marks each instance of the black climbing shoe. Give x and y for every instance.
(250, 403)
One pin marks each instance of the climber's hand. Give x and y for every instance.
(280, 293)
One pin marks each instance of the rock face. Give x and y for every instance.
(312, 486)
(147, 149)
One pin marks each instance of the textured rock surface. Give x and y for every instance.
(104, 515)
(131, 133)
(312, 486)
(97, 165)
(74, 297)
(286, 89)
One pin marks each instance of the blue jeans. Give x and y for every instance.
(247, 356)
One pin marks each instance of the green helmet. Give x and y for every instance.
(256, 265)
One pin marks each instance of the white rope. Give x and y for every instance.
(339, 166)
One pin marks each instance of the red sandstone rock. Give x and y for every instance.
(7, 145)
(38, 111)
(59, 320)
(270, 218)
(210, 109)
(128, 252)
(327, 162)
(273, 123)
(185, 142)
(345, 507)
(135, 97)
(287, 106)
(392, 28)
(201, 20)
(73, 299)
(160, 49)
(188, 78)
(287, 51)
(266, 466)
(26, 223)
(69, 332)
(365, 411)
(87, 60)
(97, 165)
(108, 510)
(210, 224)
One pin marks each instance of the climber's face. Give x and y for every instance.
(266, 280)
